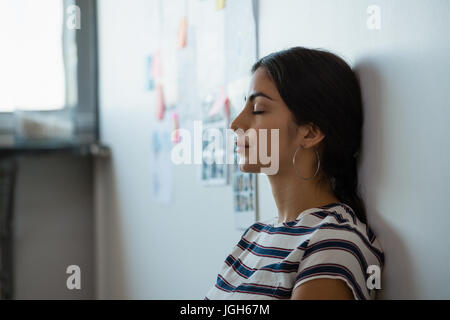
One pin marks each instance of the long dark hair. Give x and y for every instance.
(320, 88)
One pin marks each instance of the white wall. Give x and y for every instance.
(151, 251)
(148, 250)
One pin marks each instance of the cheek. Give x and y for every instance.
(280, 134)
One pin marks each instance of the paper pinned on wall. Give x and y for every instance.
(182, 33)
(220, 4)
(162, 167)
(150, 74)
(176, 126)
(160, 105)
(219, 103)
(155, 81)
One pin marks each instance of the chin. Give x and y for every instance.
(249, 168)
(257, 168)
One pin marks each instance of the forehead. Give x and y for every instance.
(261, 82)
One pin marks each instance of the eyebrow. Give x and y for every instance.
(258, 94)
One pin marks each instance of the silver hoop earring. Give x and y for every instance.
(318, 164)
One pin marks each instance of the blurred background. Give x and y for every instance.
(96, 95)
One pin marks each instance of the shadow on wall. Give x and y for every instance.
(112, 270)
(397, 281)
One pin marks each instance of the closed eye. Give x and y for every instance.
(257, 112)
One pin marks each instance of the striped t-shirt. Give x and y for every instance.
(272, 259)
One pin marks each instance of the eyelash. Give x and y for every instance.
(257, 112)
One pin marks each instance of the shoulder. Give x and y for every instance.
(339, 246)
(338, 227)
(259, 226)
(331, 220)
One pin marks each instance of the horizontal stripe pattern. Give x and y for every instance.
(323, 215)
(245, 271)
(335, 270)
(338, 244)
(263, 251)
(271, 259)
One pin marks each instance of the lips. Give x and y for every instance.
(240, 148)
(241, 144)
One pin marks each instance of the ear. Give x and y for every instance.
(311, 135)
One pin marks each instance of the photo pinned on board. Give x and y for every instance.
(244, 196)
(214, 168)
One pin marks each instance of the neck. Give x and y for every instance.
(293, 195)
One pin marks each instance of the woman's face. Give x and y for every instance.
(265, 109)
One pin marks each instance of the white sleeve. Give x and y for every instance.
(335, 254)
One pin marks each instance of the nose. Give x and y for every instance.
(239, 130)
(238, 122)
(234, 127)
(234, 124)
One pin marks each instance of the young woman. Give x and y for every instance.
(319, 246)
